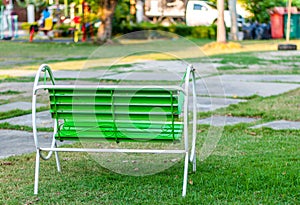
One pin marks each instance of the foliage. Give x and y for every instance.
(208, 32)
(36, 3)
(260, 8)
(25, 25)
(122, 13)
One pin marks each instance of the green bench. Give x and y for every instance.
(117, 113)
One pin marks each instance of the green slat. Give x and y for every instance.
(107, 109)
(137, 124)
(120, 129)
(67, 135)
(104, 117)
(139, 92)
(107, 100)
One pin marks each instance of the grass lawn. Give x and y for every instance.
(248, 166)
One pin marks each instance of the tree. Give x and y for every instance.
(233, 16)
(260, 8)
(221, 31)
(107, 9)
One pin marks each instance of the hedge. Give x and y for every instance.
(205, 32)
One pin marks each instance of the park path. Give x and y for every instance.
(215, 91)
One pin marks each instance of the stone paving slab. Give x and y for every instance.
(18, 73)
(15, 142)
(205, 104)
(18, 105)
(80, 74)
(43, 120)
(215, 86)
(280, 125)
(261, 78)
(223, 120)
(144, 76)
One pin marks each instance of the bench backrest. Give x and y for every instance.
(117, 114)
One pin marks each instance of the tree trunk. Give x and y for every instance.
(221, 32)
(233, 18)
(107, 11)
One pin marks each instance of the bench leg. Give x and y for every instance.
(185, 174)
(57, 160)
(194, 164)
(37, 170)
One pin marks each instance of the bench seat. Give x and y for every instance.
(115, 113)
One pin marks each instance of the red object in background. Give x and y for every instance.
(76, 19)
(277, 25)
(83, 29)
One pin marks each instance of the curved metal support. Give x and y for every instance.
(186, 130)
(46, 69)
(193, 151)
(185, 108)
(43, 68)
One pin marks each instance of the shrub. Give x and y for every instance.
(208, 32)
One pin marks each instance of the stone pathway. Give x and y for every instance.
(44, 120)
(14, 142)
(220, 86)
(18, 105)
(212, 91)
(224, 121)
(205, 104)
(280, 125)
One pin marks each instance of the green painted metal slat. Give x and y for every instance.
(122, 130)
(140, 125)
(107, 100)
(118, 109)
(110, 135)
(88, 117)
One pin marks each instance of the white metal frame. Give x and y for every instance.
(189, 153)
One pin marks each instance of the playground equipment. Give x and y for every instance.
(47, 29)
(8, 24)
(82, 23)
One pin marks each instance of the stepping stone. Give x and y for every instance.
(205, 104)
(17, 73)
(223, 120)
(215, 86)
(17, 86)
(43, 120)
(280, 125)
(80, 74)
(261, 78)
(15, 142)
(144, 76)
(18, 105)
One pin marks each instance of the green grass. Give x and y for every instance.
(18, 112)
(280, 107)
(248, 166)
(227, 67)
(10, 92)
(244, 169)
(242, 62)
(246, 58)
(7, 78)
